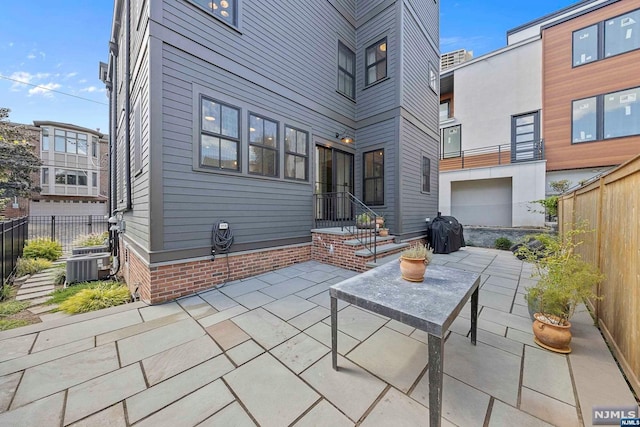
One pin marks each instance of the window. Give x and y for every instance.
(445, 110)
(71, 177)
(585, 45)
(622, 113)
(219, 135)
(376, 62)
(94, 146)
(137, 138)
(426, 174)
(59, 140)
(45, 176)
(82, 144)
(263, 146)
(622, 34)
(346, 71)
(433, 78)
(607, 38)
(70, 142)
(225, 10)
(374, 178)
(296, 157)
(45, 139)
(584, 121)
(94, 179)
(451, 141)
(612, 115)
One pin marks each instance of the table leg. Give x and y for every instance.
(334, 332)
(436, 351)
(474, 315)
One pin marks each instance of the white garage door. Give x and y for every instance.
(485, 202)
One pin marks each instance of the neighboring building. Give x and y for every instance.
(544, 108)
(239, 110)
(457, 57)
(74, 174)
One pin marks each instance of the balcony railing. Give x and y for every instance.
(494, 155)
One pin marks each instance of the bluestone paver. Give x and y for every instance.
(273, 278)
(505, 318)
(310, 317)
(34, 359)
(8, 386)
(16, 347)
(289, 307)
(141, 346)
(179, 358)
(505, 415)
(196, 306)
(319, 276)
(351, 389)
(358, 323)
(318, 288)
(324, 413)
(218, 300)
(231, 416)
(548, 373)
(193, 408)
(254, 384)
(113, 416)
(243, 287)
(245, 352)
(254, 300)
(393, 357)
(43, 412)
(288, 287)
(32, 295)
(139, 328)
(495, 300)
(102, 392)
(160, 310)
(400, 327)
(222, 315)
(175, 388)
(227, 334)
(396, 409)
(498, 341)
(322, 332)
(549, 409)
(299, 352)
(265, 328)
(57, 375)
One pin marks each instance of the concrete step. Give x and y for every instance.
(384, 249)
(366, 241)
(40, 309)
(54, 316)
(32, 295)
(40, 300)
(383, 260)
(36, 283)
(35, 289)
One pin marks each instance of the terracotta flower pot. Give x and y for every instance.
(552, 337)
(383, 232)
(412, 269)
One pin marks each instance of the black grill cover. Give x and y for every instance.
(445, 235)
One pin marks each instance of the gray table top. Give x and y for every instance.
(430, 305)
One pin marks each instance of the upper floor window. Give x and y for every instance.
(225, 10)
(445, 110)
(70, 142)
(346, 71)
(263, 146)
(433, 78)
(45, 176)
(219, 135)
(45, 139)
(376, 62)
(451, 141)
(71, 177)
(296, 157)
(94, 179)
(426, 174)
(612, 115)
(373, 179)
(621, 34)
(94, 146)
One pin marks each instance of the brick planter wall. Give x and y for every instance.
(343, 255)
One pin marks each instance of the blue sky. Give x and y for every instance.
(58, 45)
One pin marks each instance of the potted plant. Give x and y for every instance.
(382, 230)
(414, 261)
(364, 221)
(565, 280)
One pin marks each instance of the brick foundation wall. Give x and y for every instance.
(157, 284)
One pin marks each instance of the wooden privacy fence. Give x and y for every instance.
(611, 206)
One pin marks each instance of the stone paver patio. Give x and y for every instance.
(257, 352)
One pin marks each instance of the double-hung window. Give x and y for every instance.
(296, 156)
(224, 10)
(426, 174)
(376, 62)
(219, 135)
(263, 146)
(45, 139)
(374, 178)
(433, 78)
(346, 71)
(451, 141)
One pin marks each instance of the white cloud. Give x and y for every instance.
(20, 77)
(10, 44)
(43, 55)
(44, 90)
(82, 81)
(69, 75)
(31, 56)
(91, 89)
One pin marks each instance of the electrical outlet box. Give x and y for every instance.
(223, 226)
(427, 219)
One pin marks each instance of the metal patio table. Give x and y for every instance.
(430, 306)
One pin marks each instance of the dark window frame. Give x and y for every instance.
(375, 46)
(372, 201)
(352, 76)
(433, 78)
(220, 136)
(262, 146)
(296, 154)
(94, 179)
(459, 152)
(44, 176)
(68, 173)
(235, 5)
(426, 174)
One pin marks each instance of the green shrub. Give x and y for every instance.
(93, 239)
(8, 308)
(42, 247)
(60, 275)
(6, 291)
(503, 243)
(97, 298)
(60, 295)
(6, 324)
(31, 266)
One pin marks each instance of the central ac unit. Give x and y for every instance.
(87, 267)
(89, 250)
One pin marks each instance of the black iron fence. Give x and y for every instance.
(13, 234)
(66, 228)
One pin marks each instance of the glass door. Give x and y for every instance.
(334, 178)
(525, 136)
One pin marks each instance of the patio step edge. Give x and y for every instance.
(391, 247)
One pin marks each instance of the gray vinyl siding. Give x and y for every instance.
(367, 6)
(381, 96)
(379, 135)
(427, 13)
(348, 5)
(416, 205)
(417, 96)
(291, 43)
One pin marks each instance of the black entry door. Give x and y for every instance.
(525, 137)
(334, 178)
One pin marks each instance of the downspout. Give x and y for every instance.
(127, 104)
(113, 135)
